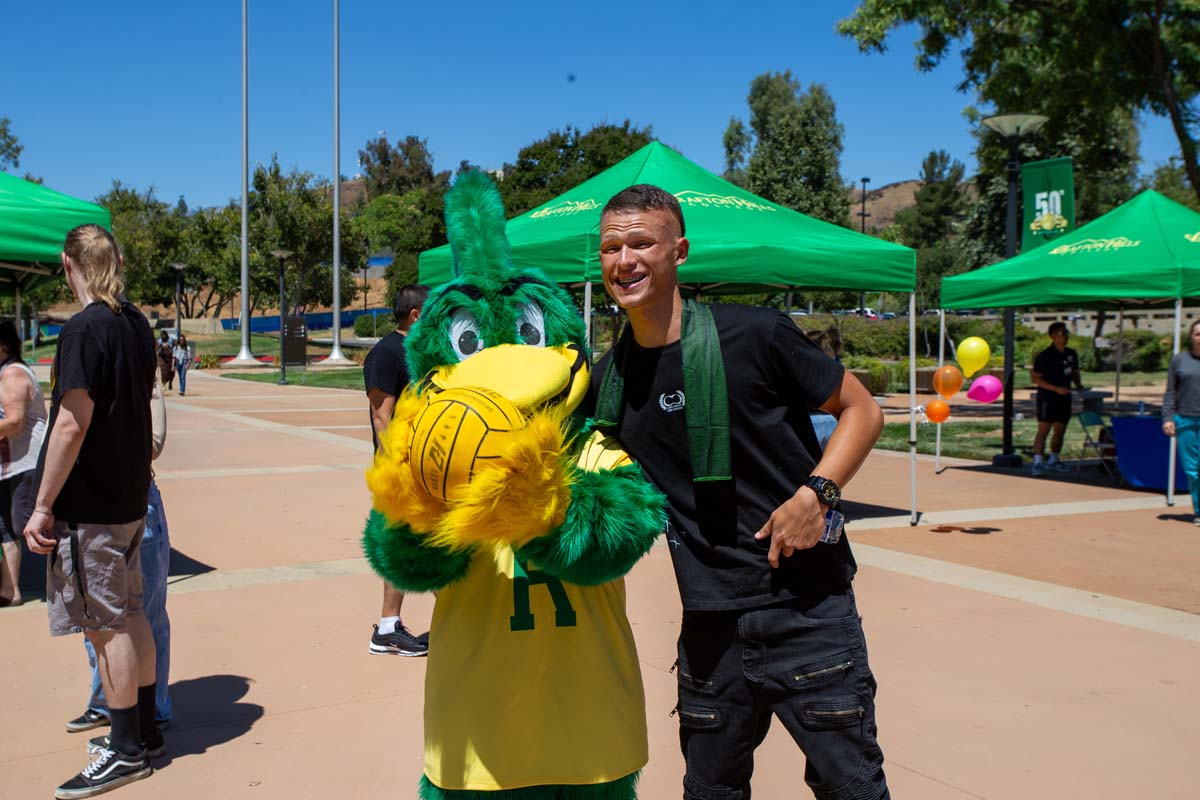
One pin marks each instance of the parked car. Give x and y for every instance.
(888, 315)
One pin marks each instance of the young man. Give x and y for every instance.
(93, 485)
(1054, 369)
(713, 403)
(385, 373)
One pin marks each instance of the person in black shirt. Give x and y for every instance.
(714, 402)
(93, 478)
(1054, 370)
(385, 374)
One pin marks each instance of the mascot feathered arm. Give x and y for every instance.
(613, 518)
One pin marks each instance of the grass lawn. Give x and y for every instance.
(979, 439)
(349, 378)
(228, 343)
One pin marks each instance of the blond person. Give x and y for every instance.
(93, 486)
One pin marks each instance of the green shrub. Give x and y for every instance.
(365, 326)
(209, 361)
(874, 374)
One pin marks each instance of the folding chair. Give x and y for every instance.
(1098, 438)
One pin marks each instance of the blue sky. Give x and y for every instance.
(150, 92)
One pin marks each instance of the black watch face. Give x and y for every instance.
(827, 491)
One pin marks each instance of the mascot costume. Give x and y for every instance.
(490, 490)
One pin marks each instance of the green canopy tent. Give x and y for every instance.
(1145, 252)
(34, 221)
(739, 242)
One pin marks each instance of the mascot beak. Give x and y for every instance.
(531, 377)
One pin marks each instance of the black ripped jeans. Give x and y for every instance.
(805, 663)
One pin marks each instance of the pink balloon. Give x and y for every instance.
(985, 388)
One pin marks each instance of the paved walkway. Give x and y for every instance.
(1032, 639)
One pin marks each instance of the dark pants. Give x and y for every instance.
(805, 663)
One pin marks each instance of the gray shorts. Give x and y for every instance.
(94, 577)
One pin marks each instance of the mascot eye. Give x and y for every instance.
(531, 324)
(464, 334)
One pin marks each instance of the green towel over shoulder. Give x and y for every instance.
(706, 399)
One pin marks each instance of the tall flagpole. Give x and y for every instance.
(244, 355)
(335, 355)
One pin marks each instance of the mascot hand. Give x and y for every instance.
(391, 480)
(409, 561)
(521, 495)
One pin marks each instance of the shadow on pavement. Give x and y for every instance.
(1177, 518)
(33, 571)
(208, 713)
(855, 510)
(975, 529)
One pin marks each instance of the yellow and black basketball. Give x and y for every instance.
(457, 434)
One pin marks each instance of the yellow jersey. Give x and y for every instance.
(531, 681)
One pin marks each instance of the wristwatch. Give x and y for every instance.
(826, 490)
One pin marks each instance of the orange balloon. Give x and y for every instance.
(947, 381)
(937, 411)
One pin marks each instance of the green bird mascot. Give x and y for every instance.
(490, 489)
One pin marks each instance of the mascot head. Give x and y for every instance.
(495, 326)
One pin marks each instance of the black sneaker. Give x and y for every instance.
(108, 770)
(400, 642)
(86, 721)
(154, 745)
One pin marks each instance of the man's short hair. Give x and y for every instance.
(644, 197)
(1055, 327)
(408, 298)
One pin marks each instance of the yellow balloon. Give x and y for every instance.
(973, 355)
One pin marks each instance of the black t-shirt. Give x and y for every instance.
(111, 356)
(1057, 368)
(386, 369)
(774, 375)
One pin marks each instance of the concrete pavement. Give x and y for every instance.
(1036, 638)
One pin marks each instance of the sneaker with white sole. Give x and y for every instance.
(399, 642)
(107, 770)
(154, 745)
(1039, 469)
(86, 721)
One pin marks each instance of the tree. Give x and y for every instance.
(10, 147)
(940, 203)
(399, 168)
(1060, 58)
(294, 212)
(564, 159)
(1169, 179)
(791, 150)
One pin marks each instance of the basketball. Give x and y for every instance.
(458, 433)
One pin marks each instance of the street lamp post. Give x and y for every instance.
(281, 255)
(1012, 127)
(862, 297)
(178, 298)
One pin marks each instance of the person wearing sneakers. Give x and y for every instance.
(155, 558)
(1181, 412)
(93, 479)
(1054, 370)
(385, 373)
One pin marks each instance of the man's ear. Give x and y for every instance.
(682, 246)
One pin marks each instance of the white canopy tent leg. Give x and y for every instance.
(17, 307)
(1174, 441)
(1120, 356)
(912, 404)
(587, 316)
(937, 462)
(789, 302)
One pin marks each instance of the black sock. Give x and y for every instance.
(125, 736)
(146, 710)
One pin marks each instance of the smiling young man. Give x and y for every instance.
(713, 402)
